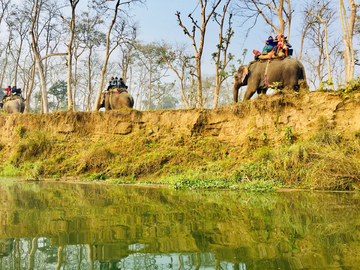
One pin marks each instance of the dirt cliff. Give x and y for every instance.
(264, 116)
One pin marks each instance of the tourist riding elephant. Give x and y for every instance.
(260, 76)
(14, 106)
(115, 101)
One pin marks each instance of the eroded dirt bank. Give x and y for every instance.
(290, 140)
(232, 124)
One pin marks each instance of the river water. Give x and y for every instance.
(90, 226)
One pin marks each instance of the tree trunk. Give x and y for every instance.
(28, 95)
(38, 59)
(88, 108)
(70, 55)
(347, 26)
(107, 55)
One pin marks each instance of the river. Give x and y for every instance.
(56, 225)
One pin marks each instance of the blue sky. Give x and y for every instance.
(158, 23)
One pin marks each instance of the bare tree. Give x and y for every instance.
(112, 42)
(19, 24)
(90, 36)
(127, 49)
(35, 31)
(150, 57)
(5, 4)
(199, 47)
(6, 58)
(322, 13)
(221, 57)
(180, 63)
(36, 52)
(281, 9)
(70, 51)
(347, 26)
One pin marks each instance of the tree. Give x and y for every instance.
(34, 44)
(347, 27)
(5, 4)
(199, 47)
(127, 53)
(181, 64)
(281, 9)
(19, 23)
(88, 33)
(59, 90)
(113, 43)
(71, 24)
(150, 57)
(323, 15)
(221, 58)
(35, 32)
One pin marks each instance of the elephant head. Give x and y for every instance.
(101, 103)
(240, 80)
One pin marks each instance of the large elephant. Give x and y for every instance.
(259, 76)
(115, 101)
(14, 106)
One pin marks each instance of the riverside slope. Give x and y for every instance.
(234, 124)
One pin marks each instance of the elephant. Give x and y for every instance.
(259, 75)
(115, 100)
(14, 105)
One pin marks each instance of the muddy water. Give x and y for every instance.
(89, 226)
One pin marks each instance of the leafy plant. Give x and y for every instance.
(20, 131)
(276, 86)
(289, 135)
(325, 86)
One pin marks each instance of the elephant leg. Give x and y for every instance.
(250, 91)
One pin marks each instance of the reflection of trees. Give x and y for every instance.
(33, 249)
(105, 227)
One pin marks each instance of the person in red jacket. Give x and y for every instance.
(8, 90)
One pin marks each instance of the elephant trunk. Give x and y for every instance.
(240, 80)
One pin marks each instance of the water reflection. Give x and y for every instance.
(87, 226)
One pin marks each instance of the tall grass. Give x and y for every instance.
(325, 161)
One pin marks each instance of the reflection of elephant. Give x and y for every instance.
(6, 247)
(115, 101)
(14, 106)
(282, 72)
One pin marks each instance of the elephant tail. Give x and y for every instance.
(131, 100)
(301, 75)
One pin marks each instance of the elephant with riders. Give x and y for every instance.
(261, 75)
(116, 96)
(12, 101)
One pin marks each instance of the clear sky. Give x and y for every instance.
(158, 22)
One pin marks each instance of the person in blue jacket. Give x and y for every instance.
(270, 43)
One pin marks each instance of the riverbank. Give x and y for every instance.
(307, 140)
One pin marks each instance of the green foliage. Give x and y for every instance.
(264, 136)
(351, 86)
(325, 86)
(288, 133)
(20, 131)
(95, 177)
(33, 146)
(59, 91)
(276, 86)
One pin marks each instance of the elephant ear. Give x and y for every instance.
(242, 72)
